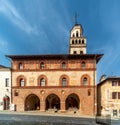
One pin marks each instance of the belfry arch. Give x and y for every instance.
(72, 102)
(52, 102)
(32, 102)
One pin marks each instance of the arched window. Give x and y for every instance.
(83, 64)
(74, 52)
(64, 81)
(63, 65)
(42, 82)
(81, 52)
(79, 41)
(20, 66)
(42, 65)
(76, 41)
(82, 41)
(76, 33)
(85, 81)
(72, 41)
(22, 82)
(73, 35)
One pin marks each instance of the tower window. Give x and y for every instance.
(82, 41)
(72, 41)
(76, 33)
(76, 41)
(81, 52)
(73, 35)
(79, 41)
(74, 52)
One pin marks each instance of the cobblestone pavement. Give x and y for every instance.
(35, 118)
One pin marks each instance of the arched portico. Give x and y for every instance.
(72, 102)
(32, 102)
(52, 102)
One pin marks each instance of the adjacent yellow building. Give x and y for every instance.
(109, 96)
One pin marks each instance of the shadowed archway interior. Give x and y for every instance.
(72, 102)
(52, 102)
(32, 102)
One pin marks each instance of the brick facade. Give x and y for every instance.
(63, 83)
(83, 95)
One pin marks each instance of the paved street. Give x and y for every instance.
(21, 119)
(36, 118)
(115, 122)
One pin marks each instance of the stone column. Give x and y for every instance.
(62, 106)
(42, 106)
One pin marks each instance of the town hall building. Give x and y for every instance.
(64, 83)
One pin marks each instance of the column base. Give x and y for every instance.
(63, 111)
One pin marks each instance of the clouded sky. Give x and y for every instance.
(43, 27)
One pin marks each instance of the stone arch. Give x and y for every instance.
(51, 92)
(72, 102)
(32, 102)
(19, 79)
(52, 102)
(42, 77)
(87, 77)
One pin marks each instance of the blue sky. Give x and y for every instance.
(43, 27)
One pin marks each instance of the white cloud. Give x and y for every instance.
(14, 16)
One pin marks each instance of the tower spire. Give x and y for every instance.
(76, 18)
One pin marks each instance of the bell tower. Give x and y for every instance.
(77, 43)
